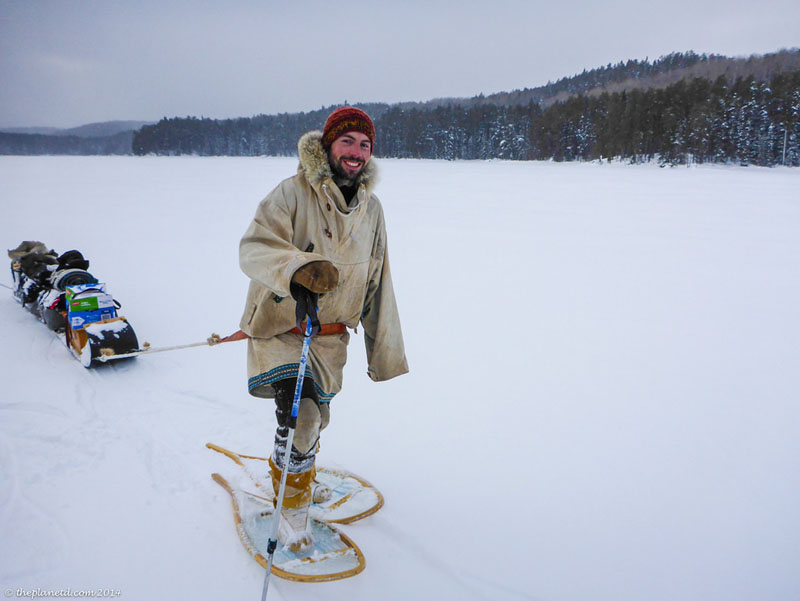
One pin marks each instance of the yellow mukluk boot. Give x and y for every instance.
(320, 493)
(294, 525)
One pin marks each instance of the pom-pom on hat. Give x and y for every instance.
(345, 119)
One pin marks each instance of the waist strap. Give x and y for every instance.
(326, 329)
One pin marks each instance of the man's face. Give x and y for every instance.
(348, 156)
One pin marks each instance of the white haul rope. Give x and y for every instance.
(107, 354)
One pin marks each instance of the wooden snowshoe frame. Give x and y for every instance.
(348, 547)
(269, 494)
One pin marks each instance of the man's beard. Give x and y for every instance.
(341, 175)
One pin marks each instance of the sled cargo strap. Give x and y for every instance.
(326, 329)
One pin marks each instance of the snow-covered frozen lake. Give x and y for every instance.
(602, 404)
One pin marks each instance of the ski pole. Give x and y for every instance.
(301, 374)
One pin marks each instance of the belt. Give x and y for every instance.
(326, 329)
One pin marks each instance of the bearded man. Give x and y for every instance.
(317, 240)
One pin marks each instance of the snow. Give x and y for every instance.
(113, 327)
(602, 401)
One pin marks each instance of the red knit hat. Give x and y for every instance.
(345, 119)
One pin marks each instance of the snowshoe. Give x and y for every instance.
(350, 497)
(332, 556)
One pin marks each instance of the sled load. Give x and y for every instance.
(60, 291)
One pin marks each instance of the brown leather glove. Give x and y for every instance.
(317, 276)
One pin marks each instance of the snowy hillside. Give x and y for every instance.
(602, 402)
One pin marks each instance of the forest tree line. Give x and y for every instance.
(38, 144)
(694, 120)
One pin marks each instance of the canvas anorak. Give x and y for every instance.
(304, 219)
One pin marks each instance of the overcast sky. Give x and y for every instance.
(66, 63)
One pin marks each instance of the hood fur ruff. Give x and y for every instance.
(314, 162)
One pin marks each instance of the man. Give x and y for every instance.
(319, 237)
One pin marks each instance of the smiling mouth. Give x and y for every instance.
(352, 164)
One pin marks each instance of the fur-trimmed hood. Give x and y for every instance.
(314, 163)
